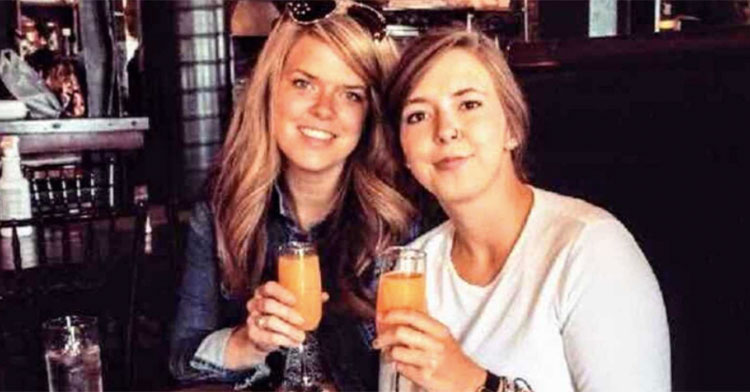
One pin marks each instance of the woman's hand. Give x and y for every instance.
(425, 352)
(271, 322)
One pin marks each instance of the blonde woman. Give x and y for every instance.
(526, 289)
(306, 158)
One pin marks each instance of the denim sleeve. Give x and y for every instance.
(198, 311)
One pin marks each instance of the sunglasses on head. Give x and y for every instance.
(309, 12)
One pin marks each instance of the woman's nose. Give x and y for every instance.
(323, 107)
(448, 128)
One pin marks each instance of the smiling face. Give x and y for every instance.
(454, 131)
(319, 108)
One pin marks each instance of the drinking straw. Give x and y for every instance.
(72, 343)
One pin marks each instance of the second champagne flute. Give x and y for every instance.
(299, 272)
(401, 285)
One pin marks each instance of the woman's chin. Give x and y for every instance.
(314, 166)
(456, 195)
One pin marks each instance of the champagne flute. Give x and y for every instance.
(401, 285)
(299, 272)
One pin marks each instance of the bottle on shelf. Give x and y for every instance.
(67, 43)
(15, 195)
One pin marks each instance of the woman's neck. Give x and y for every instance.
(487, 228)
(312, 194)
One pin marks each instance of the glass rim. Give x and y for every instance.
(295, 247)
(405, 250)
(74, 320)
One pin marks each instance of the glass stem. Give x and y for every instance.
(395, 378)
(303, 364)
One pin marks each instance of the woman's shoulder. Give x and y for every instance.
(562, 208)
(570, 221)
(591, 231)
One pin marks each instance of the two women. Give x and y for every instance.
(306, 158)
(525, 288)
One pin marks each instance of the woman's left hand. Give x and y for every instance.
(425, 352)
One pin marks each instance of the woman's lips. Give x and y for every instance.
(451, 163)
(316, 133)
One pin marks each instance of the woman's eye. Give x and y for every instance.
(415, 117)
(300, 83)
(470, 105)
(354, 96)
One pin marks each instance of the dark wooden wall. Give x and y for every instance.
(655, 129)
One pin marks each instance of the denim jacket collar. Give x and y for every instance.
(286, 213)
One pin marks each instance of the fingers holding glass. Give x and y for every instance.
(415, 355)
(407, 336)
(273, 289)
(415, 319)
(273, 307)
(269, 332)
(272, 320)
(423, 350)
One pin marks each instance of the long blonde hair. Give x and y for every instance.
(250, 163)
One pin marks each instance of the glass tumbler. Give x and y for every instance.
(72, 354)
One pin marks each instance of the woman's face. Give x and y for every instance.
(453, 129)
(319, 108)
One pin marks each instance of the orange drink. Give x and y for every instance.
(299, 272)
(401, 286)
(402, 282)
(401, 290)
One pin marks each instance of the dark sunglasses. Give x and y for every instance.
(309, 12)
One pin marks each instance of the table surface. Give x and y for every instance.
(228, 387)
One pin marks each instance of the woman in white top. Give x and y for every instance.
(526, 289)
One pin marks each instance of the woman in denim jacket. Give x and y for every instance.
(305, 158)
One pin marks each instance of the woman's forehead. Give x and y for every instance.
(315, 57)
(450, 72)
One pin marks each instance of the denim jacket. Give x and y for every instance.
(204, 306)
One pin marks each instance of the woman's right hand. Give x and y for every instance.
(271, 322)
(424, 351)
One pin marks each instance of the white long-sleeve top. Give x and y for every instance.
(576, 307)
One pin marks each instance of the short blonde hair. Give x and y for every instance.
(419, 56)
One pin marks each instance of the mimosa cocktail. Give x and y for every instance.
(299, 272)
(401, 290)
(401, 286)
